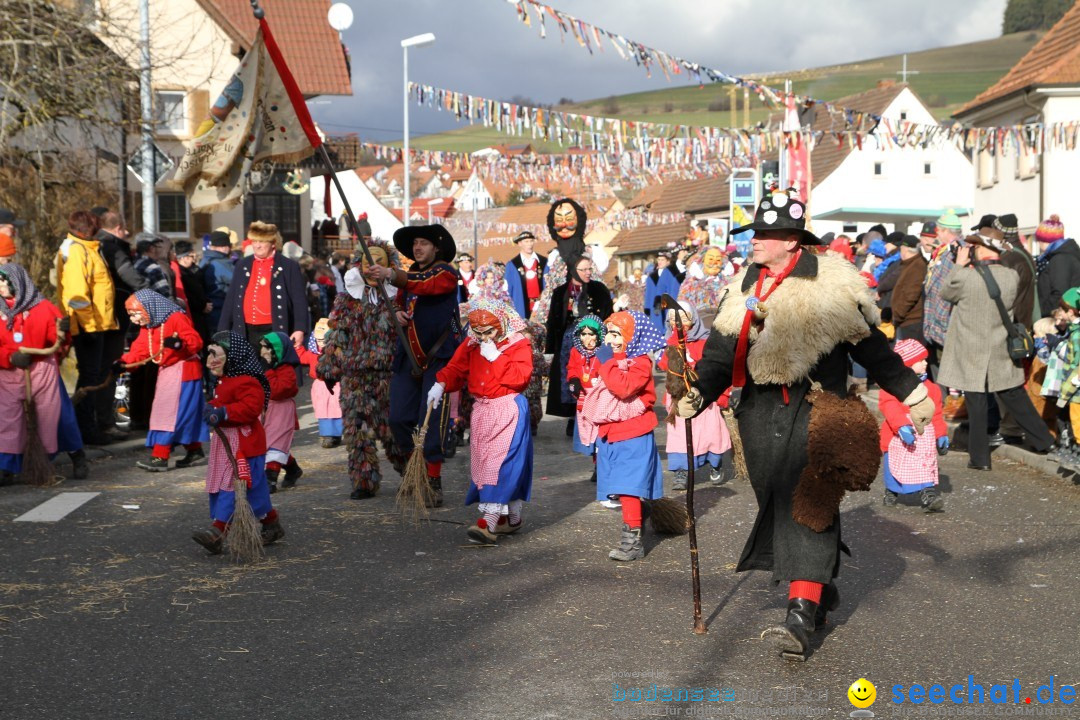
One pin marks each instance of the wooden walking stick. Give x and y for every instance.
(36, 466)
(244, 536)
(80, 393)
(687, 374)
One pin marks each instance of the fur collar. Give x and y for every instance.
(824, 302)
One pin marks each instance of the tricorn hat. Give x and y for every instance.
(436, 234)
(780, 211)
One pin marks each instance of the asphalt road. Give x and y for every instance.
(114, 612)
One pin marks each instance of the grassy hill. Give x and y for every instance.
(947, 78)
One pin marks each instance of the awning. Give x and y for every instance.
(885, 215)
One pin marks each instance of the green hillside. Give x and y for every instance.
(947, 78)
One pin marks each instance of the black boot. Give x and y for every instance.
(436, 489)
(272, 532)
(80, 470)
(293, 472)
(792, 638)
(630, 547)
(271, 480)
(211, 538)
(830, 600)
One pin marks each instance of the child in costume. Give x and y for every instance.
(280, 420)
(911, 460)
(324, 402)
(169, 340)
(619, 417)
(28, 320)
(712, 443)
(581, 372)
(241, 395)
(496, 362)
(1067, 372)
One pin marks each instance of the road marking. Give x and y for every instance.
(56, 508)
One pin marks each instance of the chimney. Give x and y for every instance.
(885, 83)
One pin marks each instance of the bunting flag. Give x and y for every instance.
(261, 117)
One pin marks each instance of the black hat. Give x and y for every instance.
(99, 210)
(827, 238)
(929, 229)
(220, 239)
(7, 217)
(909, 241)
(894, 238)
(985, 221)
(183, 247)
(879, 229)
(1008, 225)
(524, 235)
(779, 211)
(436, 234)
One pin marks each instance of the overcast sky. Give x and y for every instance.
(481, 47)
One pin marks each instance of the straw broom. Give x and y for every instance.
(668, 516)
(37, 469)
(415, 494)
(244, 536)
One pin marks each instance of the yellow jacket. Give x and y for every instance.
(86, 288)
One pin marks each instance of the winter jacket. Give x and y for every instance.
(289, 308)
(217, 272)
(282, 382)
(126, 279)
(88, 293)
(635, 381)
(897, 414)
(1019, 260)
(1060, 270)
(242, 397)
(150, 341)
(907, 294)
(508, 375)
(38, 328)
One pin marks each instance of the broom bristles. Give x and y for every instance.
(669, 517)
(415, 495)
(244, 538)
(36, 469)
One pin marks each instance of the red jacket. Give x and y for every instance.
(310, 359)
(896, 414)
(509, 373)
(149, 341)
(578, 367)
(242, 397)
(282, 382)
(634, 382)
(38, 328)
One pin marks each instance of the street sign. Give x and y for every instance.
(744, 191)
(162, 165)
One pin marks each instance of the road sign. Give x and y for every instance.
(745, 187)
(162, 164)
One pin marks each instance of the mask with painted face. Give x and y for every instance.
(712, 262)
(566, 223)
(380, 258)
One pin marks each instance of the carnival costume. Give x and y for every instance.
(325, 403)
(704, 281)
(582, 370)
(280, 420)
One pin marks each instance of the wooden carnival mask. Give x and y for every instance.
(380, 257)
(566, 221)
(712, 262)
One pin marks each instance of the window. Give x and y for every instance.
(903, 114)
(927, 168)
(879, 169)
(850, 228)
(987, 169)
(172, 213)
(274, 205)
(169, 112)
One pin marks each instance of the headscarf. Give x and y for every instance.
(697, 330)
(497, 290)
(484, 309)
(22, 290)
(639, 334)
(282, 348)
(241, 359)
(571, 266)
(157, 307)
(597, 325)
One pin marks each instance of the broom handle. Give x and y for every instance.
(84, 391)
(229, 454)
(49, 350)
(427, 417)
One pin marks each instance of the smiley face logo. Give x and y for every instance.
(862, 693)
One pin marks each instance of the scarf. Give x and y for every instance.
(1043, 261)
(23, 292)
(594, 323)
(510, 322)
(282, 348)
(157, 307)
(241, 359)
(645, 337)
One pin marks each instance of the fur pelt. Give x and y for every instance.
(842, 454)
(807, 317)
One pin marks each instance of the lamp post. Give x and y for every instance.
(414, 41)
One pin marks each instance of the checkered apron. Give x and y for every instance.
(916, 464)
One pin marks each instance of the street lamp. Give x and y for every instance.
(414, 41)
(431, 204)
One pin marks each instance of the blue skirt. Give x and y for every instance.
(629, 467)
(677, 461)
(892, 486)
(330, 427)
(223, 503)
(189, 427)
(580, 447)
(516, 471)
(68, 437)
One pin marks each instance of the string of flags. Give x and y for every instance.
(499, 233)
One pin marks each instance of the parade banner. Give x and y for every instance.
(261, 117)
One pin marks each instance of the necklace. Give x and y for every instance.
(259, 271)
(155, 357)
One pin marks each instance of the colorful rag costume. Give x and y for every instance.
(326, 404)
(29, 320)
(176, 413)
(280, 421)
(704, 281)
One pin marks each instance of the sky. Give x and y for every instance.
(481, 48)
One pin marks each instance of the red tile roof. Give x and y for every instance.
(689, 195)
(310, 46)
(649, 238)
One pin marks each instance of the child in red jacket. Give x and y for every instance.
(280, 420)
(241, 395)
(324, 401)
(619, 416)
(168, 339)
(581, 372)
(911, 460)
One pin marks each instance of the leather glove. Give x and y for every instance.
(173, 343)
(575, 386)
(922, 413)
(690, 404)
(604, 353)
(20, 360)
(943, 445)
(117, 369)
(489, 351)
(214, 416)
(330, 382)
(907, 435)
(435, 394)
(65, 325)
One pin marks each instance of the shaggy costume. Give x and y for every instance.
(280, 420)
(358, 355)
(502, 450)
(29, 320)
(172, 343)
(817, 312)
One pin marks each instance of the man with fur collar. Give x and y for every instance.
(789, 319)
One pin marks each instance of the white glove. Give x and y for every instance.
(434, 395)
(489, 351)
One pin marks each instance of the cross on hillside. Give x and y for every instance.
(904, 72)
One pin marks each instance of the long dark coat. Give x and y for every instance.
(820, 317)
(595, 300)
(289, 308)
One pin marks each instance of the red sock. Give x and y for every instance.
(434, 469)
(273, 466)
(631, 510)
(162, 451)
(270, 517)
(220, 526)
(193, 447)
(805, 589)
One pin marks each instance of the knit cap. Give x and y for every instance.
(1050, 230)
(910, 351)
(1072, 298)
(949, 220)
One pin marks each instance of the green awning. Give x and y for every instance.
(889, 215)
